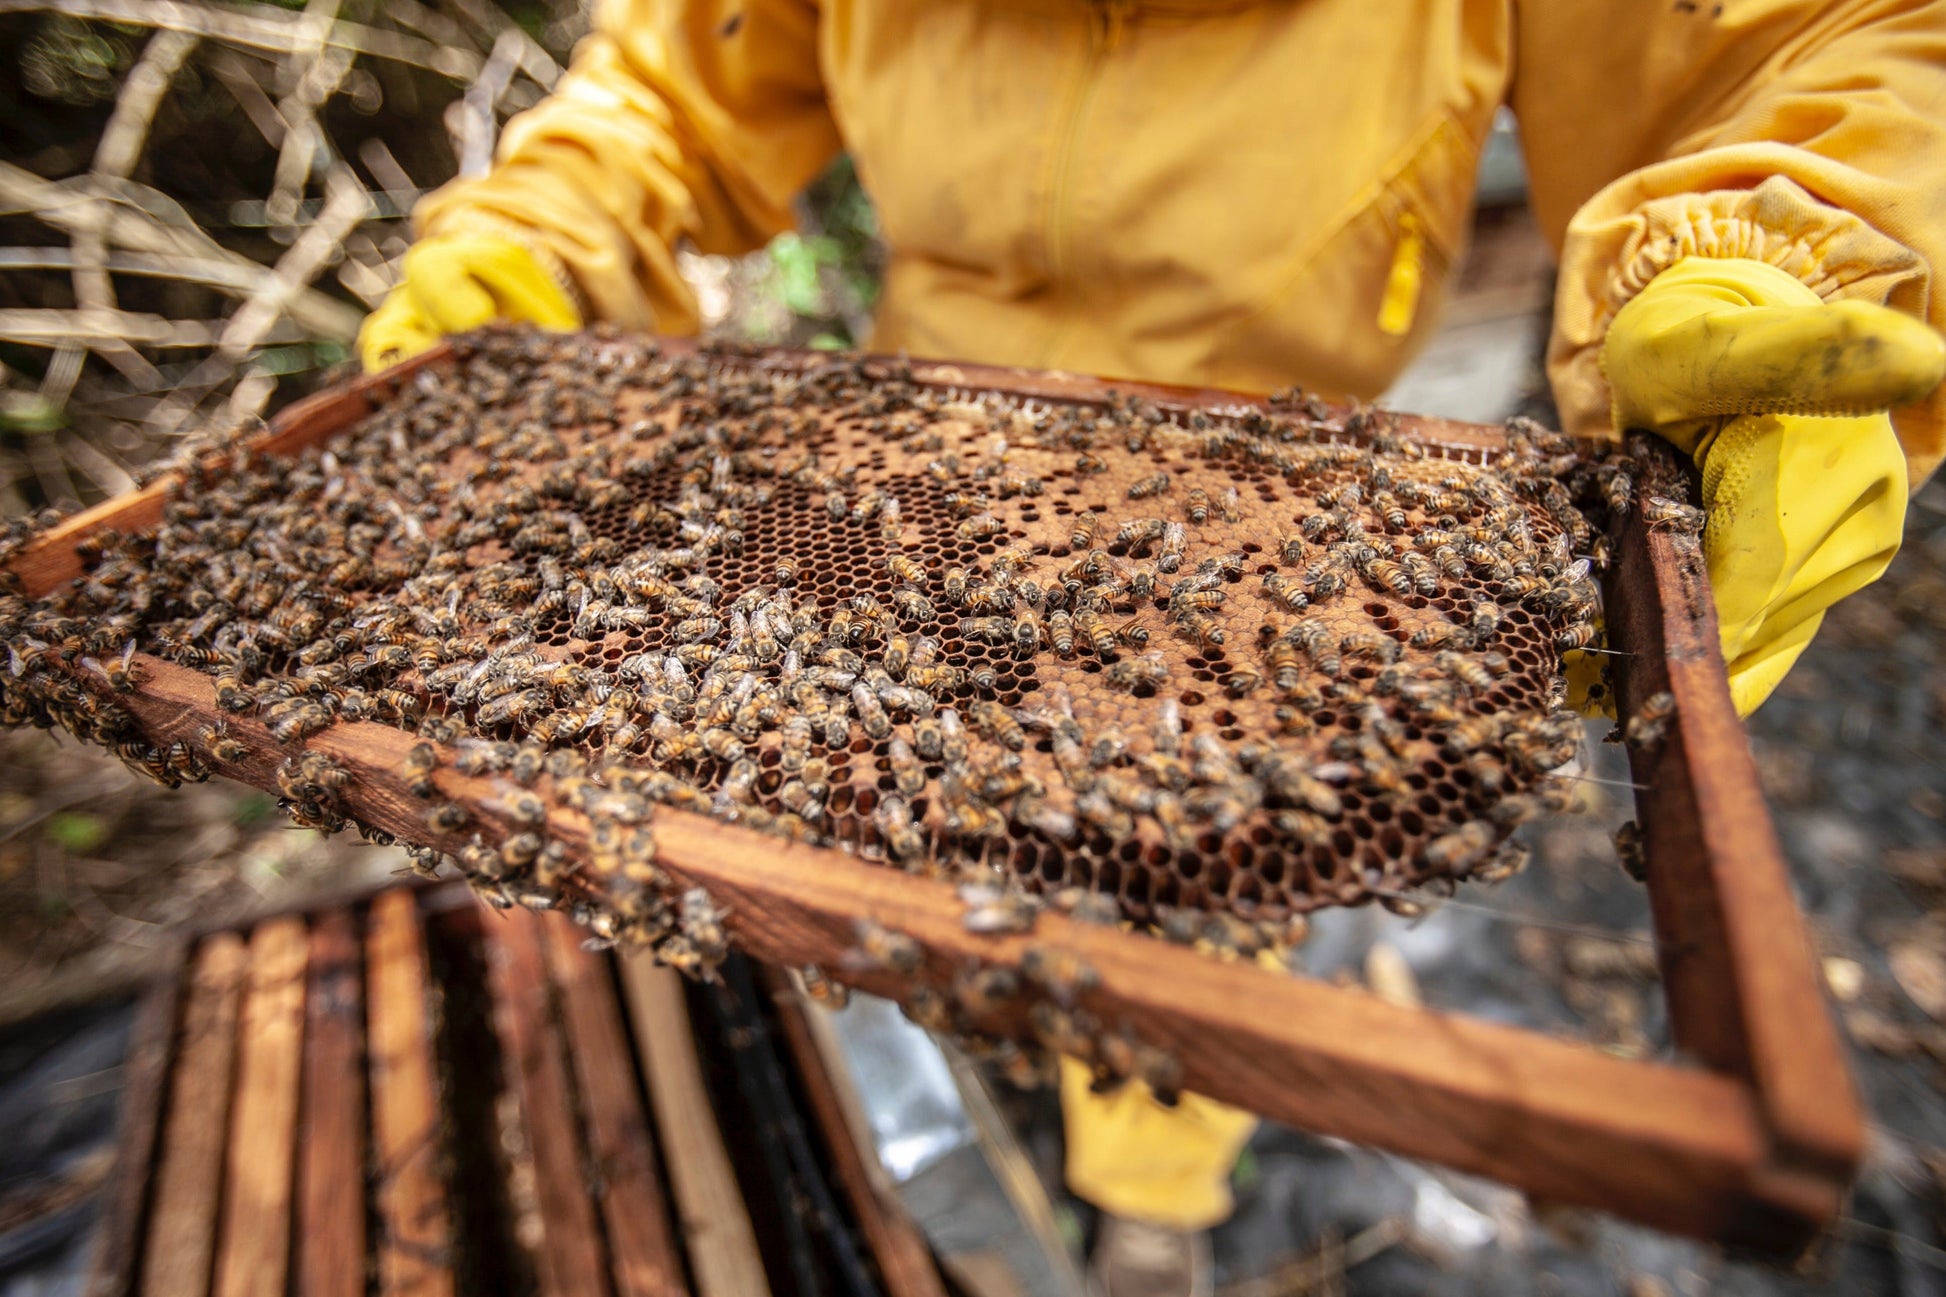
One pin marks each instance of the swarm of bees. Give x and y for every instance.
(1231, 666)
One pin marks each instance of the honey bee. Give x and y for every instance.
(1650, 723)
(991, 911)
(1139, 533)
(121, 672)
(1474, 733)
(1082, 535)
(296, 718)
(447, 817)
(1436, 635)
(1468, 671)
(1286, 591)
(1509, 859)
(1199, 626)
(1174, 540)
(1459, 850)
(1242, 681)
(881, 948)
(1084, 906)
(1060, 632)
(1578, 636)
(1155, 484)
(821, 989)
(231, 695)
(907, 773)
(1100, 635)
(997, 723)
(1198, 505)
(1387, 506)
(1664, 514)
(986, 991)
(1028, 631)
(905, 568)
(702, 923)
(928, 1010)
(1187, 599)
(722, 744)
(913, 606)
(1630, 850)
(221, 745)
(980, 527)
(1390, 576)
(1060, 972)
(740, 785)
(870, 712)
(1130, 673)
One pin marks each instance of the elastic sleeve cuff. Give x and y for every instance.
(1619, 241)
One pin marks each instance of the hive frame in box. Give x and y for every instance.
(1750, 1142)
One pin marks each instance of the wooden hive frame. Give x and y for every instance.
(1752, 1140)
(288, 1123)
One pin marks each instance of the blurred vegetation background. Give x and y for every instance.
(200, 200)
(198, 203)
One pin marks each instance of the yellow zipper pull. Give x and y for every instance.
(1400, 303)
(1109, 18)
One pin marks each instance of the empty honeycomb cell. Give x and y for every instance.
(713, 534)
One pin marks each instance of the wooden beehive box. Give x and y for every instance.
(411, 1096)
(1750, 1136)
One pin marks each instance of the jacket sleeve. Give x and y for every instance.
(1811, 136)
(679, 119)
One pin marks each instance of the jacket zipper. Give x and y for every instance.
(1106, 19)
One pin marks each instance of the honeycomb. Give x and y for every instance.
(1223, 660)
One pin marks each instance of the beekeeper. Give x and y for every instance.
(1748, 198)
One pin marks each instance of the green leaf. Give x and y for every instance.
(253, 809)
(76, 832)
(28, 414)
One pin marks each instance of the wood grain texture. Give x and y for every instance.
(624, 1177)
(151, 1052)
(329, 1259)
(1759, 1152)
(415, 1225)
(189, 1180)
(723, 1255)
(1743, 984)
(570, 1259)
(904, 1259)
(253, 1250)
(1557, 1118)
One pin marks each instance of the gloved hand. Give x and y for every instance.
(459, 282)
(1132, 1157)
(1780, 398)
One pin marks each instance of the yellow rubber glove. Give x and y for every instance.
(1780, 398)
(1132, 1157)
(458, 282)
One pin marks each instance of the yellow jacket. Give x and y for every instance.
(1231, 193)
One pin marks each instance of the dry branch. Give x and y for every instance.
(262, 28)
(64, 206)
(88, 327)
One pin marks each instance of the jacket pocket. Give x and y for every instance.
(1361, 294)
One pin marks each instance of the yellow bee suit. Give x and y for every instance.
(1234, 194)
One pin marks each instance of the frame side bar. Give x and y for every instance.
(1743, 983)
